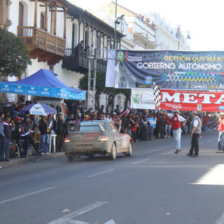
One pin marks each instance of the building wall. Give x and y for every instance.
(68, 77)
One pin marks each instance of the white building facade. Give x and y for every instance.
(60, 27)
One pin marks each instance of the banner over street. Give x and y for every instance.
(186, 70)
(212, 101)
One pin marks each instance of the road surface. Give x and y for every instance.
(154, 186)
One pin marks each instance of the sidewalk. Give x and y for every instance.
(18, 161)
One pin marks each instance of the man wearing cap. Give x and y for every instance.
(195, 134)
(176, 121)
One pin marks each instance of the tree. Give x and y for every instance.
(14, 55)
(100, 88)
(100, 85)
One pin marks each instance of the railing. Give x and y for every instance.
(38, 38)
(78, 58)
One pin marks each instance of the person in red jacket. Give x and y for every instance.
(221, 133)
(168, 126)
(134, 126)
(176, 121)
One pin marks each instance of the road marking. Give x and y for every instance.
(70, 221)
(101, 173)
(220, 220)
(26, 195)
(140, 161)
(110, 222)
(168, 153)
(67, 219)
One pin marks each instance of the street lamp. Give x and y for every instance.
(178, 36)
(115, 25)
(116, 22)
(188, 36)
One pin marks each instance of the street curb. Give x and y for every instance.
(19, 161)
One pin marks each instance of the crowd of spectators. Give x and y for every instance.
(20, 132)
(145, 125)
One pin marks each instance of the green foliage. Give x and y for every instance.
(14, 56)
(100, 82)
(100, 85)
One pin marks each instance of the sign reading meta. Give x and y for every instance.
(212, 101)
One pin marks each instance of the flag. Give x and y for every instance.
(157, 96)
(125, 112)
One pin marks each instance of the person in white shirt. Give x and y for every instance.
(195, 134)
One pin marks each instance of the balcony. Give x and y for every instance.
(42, 45)
(77, 60)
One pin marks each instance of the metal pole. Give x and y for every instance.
(115, 27)
(35, 15)
(94, 77)
(89, 80)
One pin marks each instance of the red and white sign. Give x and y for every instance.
(192, 100)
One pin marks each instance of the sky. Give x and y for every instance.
(203, 19)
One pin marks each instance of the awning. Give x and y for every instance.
(42, 83)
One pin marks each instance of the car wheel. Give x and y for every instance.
(130, 149)
(73, 158)
(91, 156)
(70, 158)
(113, 152)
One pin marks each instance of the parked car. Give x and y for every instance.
(96, 137)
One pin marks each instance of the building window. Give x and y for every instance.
(86, 38)
(21, 14)
(74, 39)
(42, 20)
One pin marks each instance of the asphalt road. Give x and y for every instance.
(154, 186)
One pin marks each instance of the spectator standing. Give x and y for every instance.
(2, 135)
(134, 126)
(221, 133)
(52, 124)
(27, 130)
(117, 110)
(44, 135)
(17, 134)
(101, 110)
(162, 125)
(167, 127)
(8, 128)
(144, 130)
(152, 125)
(118, 122)
(124, 123)
(195, 134)
(60, 131)
(176, 127)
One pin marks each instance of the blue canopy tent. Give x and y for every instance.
(42, 83)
